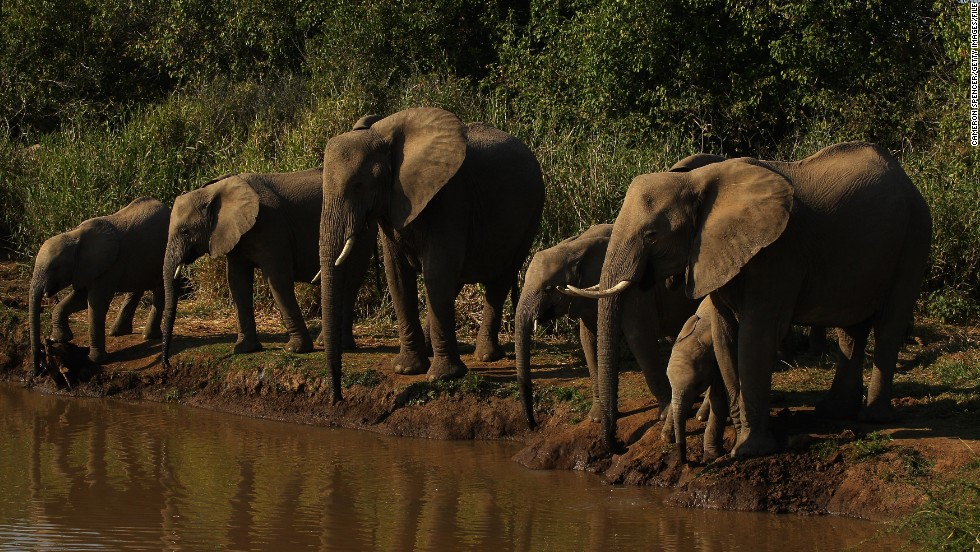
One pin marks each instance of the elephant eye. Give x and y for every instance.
(649, 234)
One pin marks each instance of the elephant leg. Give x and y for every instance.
(60, 329)
(402, 280)
(284, 293)
(241, 281)
(98, 307)
(124, 320)
(640, 328)
(587, 335)
(441, 299)
(844, 398)
(714, 432)
(488, 347)
(151, 330)
(724, 336)
(757, 339)
(890, 328)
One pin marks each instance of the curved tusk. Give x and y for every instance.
(317, 277)
(535, 328)
(177, 272)
(599, 294)
(345, 251)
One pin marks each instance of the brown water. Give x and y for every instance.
(104, 474)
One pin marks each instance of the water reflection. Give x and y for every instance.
(89, 473)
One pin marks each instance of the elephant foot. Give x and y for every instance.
(61, 335)
(712, 454)
(152, 333)
(319, 340)
(444, 369)
(121, 328)
(244, 345)
(98, 356)
(488, 352)
(410, 364)
(595, 413)
(878, 412)
(756, 443)
(298, 345)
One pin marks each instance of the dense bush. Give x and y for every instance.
(101, 102)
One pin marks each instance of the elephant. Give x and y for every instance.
(839, 239)
(266, 221)
(460, 203)
(117, 253)
(693, 370)
(578, 261)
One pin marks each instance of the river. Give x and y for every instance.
(97, 474)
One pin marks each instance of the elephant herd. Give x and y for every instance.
(724, 254)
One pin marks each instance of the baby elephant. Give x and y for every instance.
(265, 221)
(692, 370)
(121, 252)
(578, 261)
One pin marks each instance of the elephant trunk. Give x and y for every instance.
(38, 365)
(621, 262)
(527, 311)
(337, 231)
(171, 263)
(680, 405)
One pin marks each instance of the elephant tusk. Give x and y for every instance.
(345, 252)
(177, 272)
(535, 327)
(317, 277)
(598, 294)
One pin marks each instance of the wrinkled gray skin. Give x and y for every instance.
(265, 221)
(839, 239)
(651, 312)
(692, 370)
(457, 203)
(117, 253)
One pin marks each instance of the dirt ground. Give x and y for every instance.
(877, 472)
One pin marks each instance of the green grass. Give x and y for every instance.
(872, 444)
(950, 518)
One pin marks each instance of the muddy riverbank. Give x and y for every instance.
(825, 467)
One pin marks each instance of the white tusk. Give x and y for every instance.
(177, 272)
(345, 252)
(599, 294)
(317, 277)
(592, 288)
(535, 328)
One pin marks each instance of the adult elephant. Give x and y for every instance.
(838, 239)
(458, 203)
(264, 221)
(121, 252)
(577, 261)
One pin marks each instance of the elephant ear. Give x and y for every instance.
(232, 207)
(97, 249)
(743, 208)
(695, 161)
(366, 121)
(427, 148)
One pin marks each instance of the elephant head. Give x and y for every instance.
(383, 171)
(208, 220)
(700, 227)
(75, 258)
(691, 370)
(575, 261)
